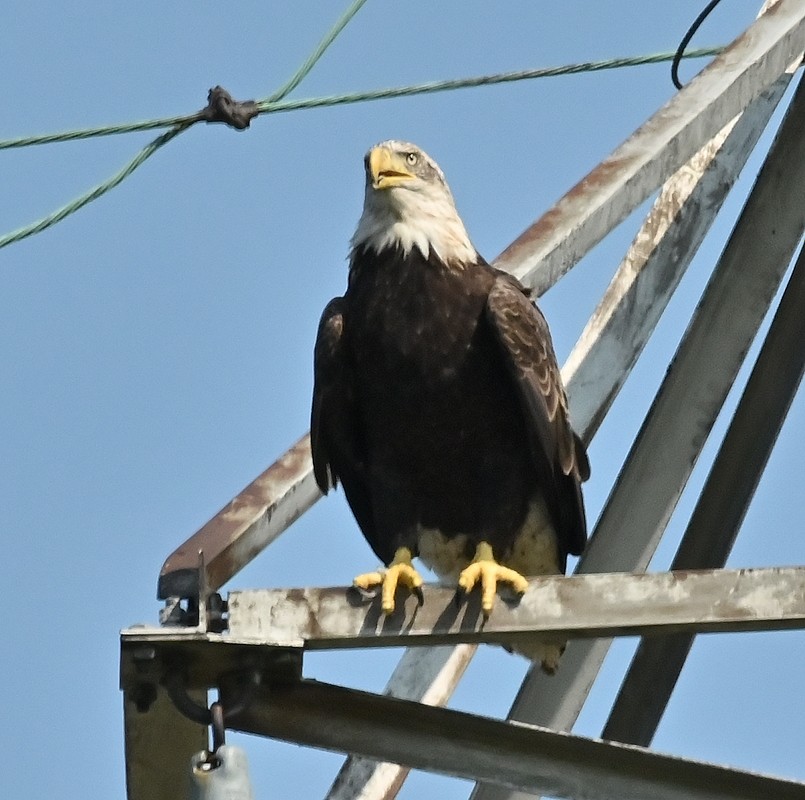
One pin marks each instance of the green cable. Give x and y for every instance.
(179, 125)
(430, 87)
(269, 105)
(90, 133)
(275, 103)
(92, 194)
(169, 122)
(304, 70)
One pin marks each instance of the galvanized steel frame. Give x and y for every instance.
(701, 123)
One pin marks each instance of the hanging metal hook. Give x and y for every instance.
(176, 686)
(218, 728)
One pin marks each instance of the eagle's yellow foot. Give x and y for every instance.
(489, 572)
(400, 572)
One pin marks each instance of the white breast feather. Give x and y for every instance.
(426, 219)
(535, 552)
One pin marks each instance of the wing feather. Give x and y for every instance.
(559, 454)
(336, 445)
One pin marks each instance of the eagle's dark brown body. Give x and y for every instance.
(422, 407)
(438, 403)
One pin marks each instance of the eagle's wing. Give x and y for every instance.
(334, 432)
(558, 453)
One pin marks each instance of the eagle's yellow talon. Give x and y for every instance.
(489, 572)
(400, 572)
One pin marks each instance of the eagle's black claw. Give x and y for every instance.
(458, 597)
(419, 594)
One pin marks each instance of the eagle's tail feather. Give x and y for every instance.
(545, 653)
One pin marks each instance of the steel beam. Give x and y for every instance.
(242, 528)
(607, 604)
(426, 675)
(657, 259)
(721, 508)
(517, 756)
(734, 303)
(620, 183)
(159, 744)
(159, 740)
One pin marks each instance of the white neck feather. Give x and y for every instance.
(426, 219)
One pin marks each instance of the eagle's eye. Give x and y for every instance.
(412, 158)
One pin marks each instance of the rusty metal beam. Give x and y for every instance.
(242, 528)
(517, 756)
(734, 303)
(657, 259)
(589, 606)
(555, 242)
(721, 508)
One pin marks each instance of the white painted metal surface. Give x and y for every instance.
(657, 259)
(607, 604)
(721, 507)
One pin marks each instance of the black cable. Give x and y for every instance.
(680, 51)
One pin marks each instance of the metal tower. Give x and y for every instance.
(250, 645)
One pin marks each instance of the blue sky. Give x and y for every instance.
(156, 346)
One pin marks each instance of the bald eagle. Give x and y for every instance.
(438, 402)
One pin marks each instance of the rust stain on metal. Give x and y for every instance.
(216, 538)
(292, 463)
(301, 598)
(555, 216)
(296, 596)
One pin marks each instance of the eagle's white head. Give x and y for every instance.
(408, 204)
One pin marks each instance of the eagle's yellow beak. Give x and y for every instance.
(388, 168)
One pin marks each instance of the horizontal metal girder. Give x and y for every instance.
(514, 755)
(602, 605)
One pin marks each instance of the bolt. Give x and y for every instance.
(143, 695)
(143, 657)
